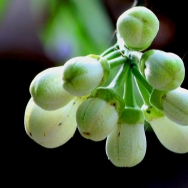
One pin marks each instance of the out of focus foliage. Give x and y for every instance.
(73, 28)
(3, 5)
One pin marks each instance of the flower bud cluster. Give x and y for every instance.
(113, 95)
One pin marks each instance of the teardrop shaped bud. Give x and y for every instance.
(137, 26)
(46, 89)
(175, 105)
(126, 144)
(162, 70)
(170, 134)
(51, 129)
(81, 75)
(98, 115)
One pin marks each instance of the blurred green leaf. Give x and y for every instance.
(3, 6)
(75, 28)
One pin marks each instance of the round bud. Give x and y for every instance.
(138, 26)
(163, 71)
(96, 118)
(51, 129)
(46, 89)
(81, 75)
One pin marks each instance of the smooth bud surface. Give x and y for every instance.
(51, 129)
(163, 71)
(138, 26)
(96, 118)
(171, 135)
(175, 105)
(126, 145)
(46, 89)
(83, 74)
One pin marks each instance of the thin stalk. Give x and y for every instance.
(109, 50)
(117, 61)
(112, 55)
(144, 93)
(129, 96)
(118, 82)
(140, 78)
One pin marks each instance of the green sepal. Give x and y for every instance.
(143, 60)
(131, 116)
(156, 98)
(104, 64)
(110, 96)
(151, 113)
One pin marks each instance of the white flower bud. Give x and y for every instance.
(83, 74)
(175, 105)
(171, 135)
(46, 89)
(96, 118)
(51, 129)
(163, 71)
(126, 145)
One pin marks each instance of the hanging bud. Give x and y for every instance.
(162, 70)
(83, 74)
(175, 105)
(51, 129)
(98, 115)
(126, 144)
(170, 134)
(46, 89)
(138, 26)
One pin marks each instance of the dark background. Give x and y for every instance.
(79, 162)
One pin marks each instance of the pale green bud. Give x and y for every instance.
(138, 26)
(162, 70)
(46, 89)
(96, 118)
(175, 105)
(126, 145)
(81, 75)
(51, 129)
(170, 134)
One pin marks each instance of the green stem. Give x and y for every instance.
(144, 93)
(140, 78)
(129, 96)
(117, 83)
(117, 61)
(112, 55)
(109, 50)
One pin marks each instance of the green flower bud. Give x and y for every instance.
(51, 129)
(46, 89)
(98, 115)
(83, 74)
(175, 105)
(162, 70)
(170, 134)
(138, 26)
(126, 144)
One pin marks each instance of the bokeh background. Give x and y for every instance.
(38, 34)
